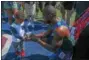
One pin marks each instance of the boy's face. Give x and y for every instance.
(19, 20)
(20, 17)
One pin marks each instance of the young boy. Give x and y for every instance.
(18, 35)
(60, 45)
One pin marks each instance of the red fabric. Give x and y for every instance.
(17, 53)
(80, 24)
(22, 53)
(3, 41)
(40, 35)
(79, 20)
(80, 27)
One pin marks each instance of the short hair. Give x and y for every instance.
(19, 15)
(49, 9)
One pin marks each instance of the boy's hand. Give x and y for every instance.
(27, 36)
(34, 38)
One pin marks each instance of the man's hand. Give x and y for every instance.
(34, 38)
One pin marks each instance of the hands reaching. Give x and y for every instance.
(34, 38)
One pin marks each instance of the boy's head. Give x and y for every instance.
(49, 14)
(19, 18)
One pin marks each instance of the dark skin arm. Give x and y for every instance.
(42, 42)
(45, 45)
(50, 47)
(48, 32)
(44, 38)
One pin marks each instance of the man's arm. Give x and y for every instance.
(46, 34)
(51, 47)
(44, 44)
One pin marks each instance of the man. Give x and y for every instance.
(60, 45)
(81, 50)
(30, 8)
(66, 9)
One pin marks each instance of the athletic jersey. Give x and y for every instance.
(18, 31)
(53, 27)
(66, 46)
(58, 24)
(25, 25)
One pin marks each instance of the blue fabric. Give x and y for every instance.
(15, 33)
(87, 24)
(5, 26)
(25, 26)
(52, 57)
(15, 30)
(67, 56)
(58, 24)
(55, 56)
(5, 20)
(53, 27)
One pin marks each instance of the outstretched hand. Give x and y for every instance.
(26, 37)
(34, 38)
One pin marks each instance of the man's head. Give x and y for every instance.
(49, 14)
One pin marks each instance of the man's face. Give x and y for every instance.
(47, 17)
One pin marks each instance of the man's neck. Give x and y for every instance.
(55, 21)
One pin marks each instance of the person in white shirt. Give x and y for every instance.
(30, 8)
(18, 35)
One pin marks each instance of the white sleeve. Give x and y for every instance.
(21, 32)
